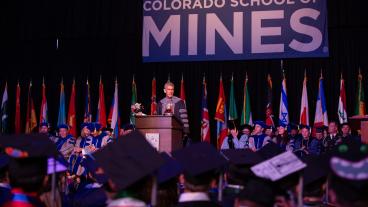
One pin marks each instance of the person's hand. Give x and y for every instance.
(77, 149)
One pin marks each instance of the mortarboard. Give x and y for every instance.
(242, 156)
(90, 165)
(246, 126)
(259, 191)
(293, 126)
(94, 126)
(44, 124)
(84, 124)
(319, 130)
(302, 126)
(282, 125)
(128, 160)
(63, 126)
(170, 169)
(200, 162)
(260, 123)
(317, 168)
(269, 150)
(4, 160)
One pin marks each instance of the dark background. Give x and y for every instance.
(103, 37)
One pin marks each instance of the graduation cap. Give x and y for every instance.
(302, 126)
(128, 160)
(258, 191)
(94, 126)
(84, 124)
(4, 160)
(317, 168)
(260, 123)
(269, 150)
(319, 130)
(293, 126)
(246, 126)
(63, 126)
(242, 156)
(107, 129)
(282, 124)
(90, 165)
(42, 124)
(170, 169)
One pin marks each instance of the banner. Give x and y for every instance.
(201, 30)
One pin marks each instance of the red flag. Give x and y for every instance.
(72, 122)
(18, 127)
(269, 113)
(101, 109)
(182, 89)
(221, 116)
(153, 98)
(304, 109)
(31, 120)
(43, 111)
(205, 125)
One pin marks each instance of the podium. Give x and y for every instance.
(165, 133)
(360, 122)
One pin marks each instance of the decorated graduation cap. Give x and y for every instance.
(170, 169)
(260, 123)
(134, 159)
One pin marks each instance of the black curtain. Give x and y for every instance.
(103, 37)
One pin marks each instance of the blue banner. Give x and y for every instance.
(201, 30)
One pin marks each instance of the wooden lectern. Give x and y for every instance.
(360, 122)
(165, 133)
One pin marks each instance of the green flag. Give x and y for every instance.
(360, 104)
(134, 101)
(246, 117)
(233, 114)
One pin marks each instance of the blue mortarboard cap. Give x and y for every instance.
(4, 160)
(133, 159)
(44, 124)
(94, 126)
(84, 124)
(293, 126)
(63, 126)
(260, 123)
(170, 169)
(319, 130)
(282, 125)
(302, 126)
(242, 156)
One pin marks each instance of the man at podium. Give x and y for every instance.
(172, 105)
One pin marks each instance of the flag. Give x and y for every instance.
(360, 102)
(284, 113)
(31, 120)
(43, 111)
(341, 112)
(233, 113)
(4, 111)
(18, 127)
(182, 90)
(269, 113)
(205, 124)
(101, 108)
(153, 98)
(246, 117)
(304, 109)
(72, 122)
(133, 101)
(220, 116)
(320, 117)
(61, 117)
(114, 113)
(87, 106)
